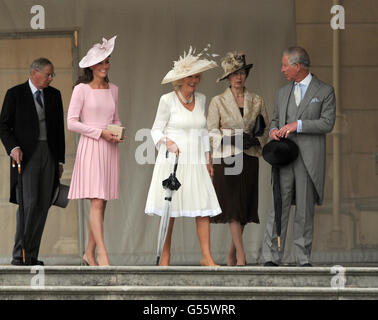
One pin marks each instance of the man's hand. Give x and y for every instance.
(17, 155)
(287, 129)
(274, 134)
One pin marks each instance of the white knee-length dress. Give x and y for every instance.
(196, 196)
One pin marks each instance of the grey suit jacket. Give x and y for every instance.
(317, 111)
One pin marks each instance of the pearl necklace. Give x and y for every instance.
(183, 99)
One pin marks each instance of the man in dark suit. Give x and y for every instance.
(32, 131)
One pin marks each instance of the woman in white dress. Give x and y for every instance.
(180, 129)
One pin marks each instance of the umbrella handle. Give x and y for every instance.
(176, 162)
(14, 165)
(19, 172)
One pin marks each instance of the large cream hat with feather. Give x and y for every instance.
(190, 64)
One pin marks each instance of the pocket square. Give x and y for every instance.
(315, 100)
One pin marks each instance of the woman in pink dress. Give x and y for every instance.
(94, 105)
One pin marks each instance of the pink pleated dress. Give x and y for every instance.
(96, 169)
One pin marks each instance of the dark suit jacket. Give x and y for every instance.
(19, 126)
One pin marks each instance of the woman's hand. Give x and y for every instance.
(209, 164)
(110, 136)
(210, 169)
(171, 146)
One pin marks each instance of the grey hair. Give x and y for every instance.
(298, 55)
(39, 64)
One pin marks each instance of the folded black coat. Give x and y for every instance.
(279, 154)
(60, 198)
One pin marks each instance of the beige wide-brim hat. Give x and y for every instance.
(188, 65)
(98, 53)
(233, 62)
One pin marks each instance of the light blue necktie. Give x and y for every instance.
(297, 94)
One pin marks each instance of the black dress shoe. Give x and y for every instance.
(270, 264)
(35, 262)
(18, 262)
(306, 265)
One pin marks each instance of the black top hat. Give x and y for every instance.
(280, 152)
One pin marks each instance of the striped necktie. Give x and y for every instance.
(38, 97)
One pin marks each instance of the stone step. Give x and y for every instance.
(180, 276)
(182, 293)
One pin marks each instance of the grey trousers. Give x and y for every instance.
(38, 182)
(294, 181)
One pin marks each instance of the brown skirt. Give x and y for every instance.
(237, 194)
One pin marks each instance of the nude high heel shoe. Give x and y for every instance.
(84, 261)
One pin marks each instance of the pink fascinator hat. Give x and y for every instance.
(98, 53)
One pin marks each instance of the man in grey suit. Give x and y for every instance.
(304, 112)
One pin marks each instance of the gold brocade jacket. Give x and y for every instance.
(224, 120)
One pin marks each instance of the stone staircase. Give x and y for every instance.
(184, 282)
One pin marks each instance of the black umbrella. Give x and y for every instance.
(170, 184)
(21, 209)
(279, 154)
(277, 202)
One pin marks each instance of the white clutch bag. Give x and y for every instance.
(118, 130)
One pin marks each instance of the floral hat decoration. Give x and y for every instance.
(232, 62)
(98, 53)
(190, 64)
